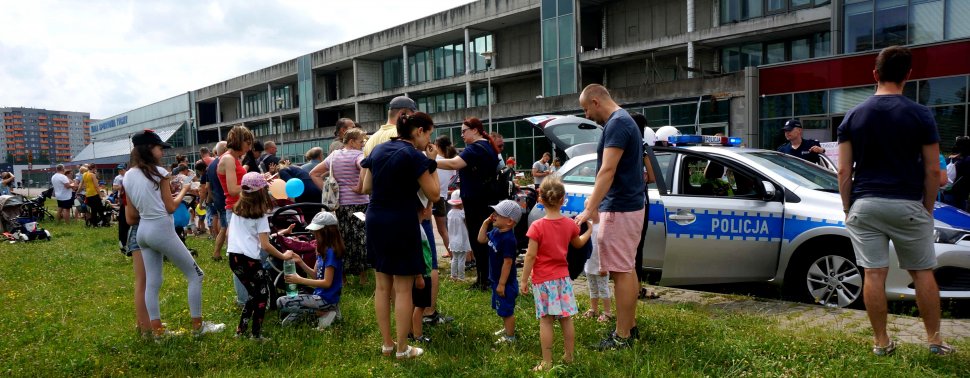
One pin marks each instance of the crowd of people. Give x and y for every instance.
(393, 190)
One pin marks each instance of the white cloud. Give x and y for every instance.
(107, 57)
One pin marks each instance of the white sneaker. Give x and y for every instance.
(209, 327)
(326, 320)
(291, 319)
(499, 332)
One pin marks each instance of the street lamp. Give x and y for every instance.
(489, 55)
(279, 105)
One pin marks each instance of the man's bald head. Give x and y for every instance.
(597, 103)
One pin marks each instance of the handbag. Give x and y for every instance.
(331, 190)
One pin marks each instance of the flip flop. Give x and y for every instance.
(941, 349)
(888, 349)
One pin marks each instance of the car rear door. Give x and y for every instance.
(719, 226)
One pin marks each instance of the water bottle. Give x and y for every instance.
(289, 267)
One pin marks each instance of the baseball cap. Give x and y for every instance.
(321, 220)
(253, 181)
(455, 198)
(791, 125)
(508, 209)
(148, 137)
(403, 102)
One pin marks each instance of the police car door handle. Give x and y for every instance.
(682, 217)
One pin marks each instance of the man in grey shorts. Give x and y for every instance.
(888, 178)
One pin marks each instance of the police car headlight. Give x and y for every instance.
(949, 235)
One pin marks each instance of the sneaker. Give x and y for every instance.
(424, 339)
(499, 332)
(326, 320)
(209, 327)
(613, 342)
(291, 319)
(506, 339)
(436, 318)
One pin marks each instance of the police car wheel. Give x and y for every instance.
(831, 279)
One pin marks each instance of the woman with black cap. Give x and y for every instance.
(148, 189)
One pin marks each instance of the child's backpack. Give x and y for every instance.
(576, 257)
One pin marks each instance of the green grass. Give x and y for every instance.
(66, 310)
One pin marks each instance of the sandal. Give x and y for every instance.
(387, 350)
(605, 317)
(942, 349)
(648, 293)
(409, 353)
(542, 366)
(888, 349)
(589, 313)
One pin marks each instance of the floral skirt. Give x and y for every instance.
(555, 298)
(352, 231)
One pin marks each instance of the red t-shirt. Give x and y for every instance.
(553, 237)
(231, 200)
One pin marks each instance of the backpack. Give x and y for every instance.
(499, 185)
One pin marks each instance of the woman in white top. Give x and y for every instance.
(148, 187)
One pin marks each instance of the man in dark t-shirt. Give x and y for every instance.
(807, 149)
(617, 202)
(888, 178)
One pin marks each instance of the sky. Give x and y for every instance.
(106, 57)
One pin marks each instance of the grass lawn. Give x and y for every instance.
(66, 310)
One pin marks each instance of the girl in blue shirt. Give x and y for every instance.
(328, 271)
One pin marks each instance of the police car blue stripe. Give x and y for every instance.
(795, 226)
(725, 225)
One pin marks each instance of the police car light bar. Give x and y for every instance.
(706, 140)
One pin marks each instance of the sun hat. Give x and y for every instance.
(253, 181)
(321, 220)
(508, 209)
(455, 198)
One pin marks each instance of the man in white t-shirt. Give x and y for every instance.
(116, 184)
(540, 169)
(63, 193)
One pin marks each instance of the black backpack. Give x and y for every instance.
(500, 184)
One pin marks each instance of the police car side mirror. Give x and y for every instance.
(769, 192)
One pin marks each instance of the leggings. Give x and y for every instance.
(252, 275)
(304, 304)
(157, 239)
(458, 264)
(475, 214)
(599, 286)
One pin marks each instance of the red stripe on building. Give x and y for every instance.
(944, 59)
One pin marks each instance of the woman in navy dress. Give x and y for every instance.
(397, 171)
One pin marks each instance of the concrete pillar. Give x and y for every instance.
(468, 94)
(835, 38)
(690, 43)
(242, 105)
(468, 54)
(219, 133)
(751, 107)
(603, 29)
(218, 111)
(716, 13)
(356, 78)
(404, 64)
(356, 109)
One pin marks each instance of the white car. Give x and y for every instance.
(728, 214)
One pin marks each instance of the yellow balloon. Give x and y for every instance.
(277, 188)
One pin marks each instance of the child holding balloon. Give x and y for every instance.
(248, 233)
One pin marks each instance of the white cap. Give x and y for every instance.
(321, 220)
(649, 137)
(508, 209)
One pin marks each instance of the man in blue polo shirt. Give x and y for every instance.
(807, 149)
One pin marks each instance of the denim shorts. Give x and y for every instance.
(133, 239)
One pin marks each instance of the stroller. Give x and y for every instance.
(100, 215)
(34, 208)
(299, 214)
(16, 227)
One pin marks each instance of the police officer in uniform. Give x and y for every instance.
(807, 149)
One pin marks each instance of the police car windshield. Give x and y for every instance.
(801, 172)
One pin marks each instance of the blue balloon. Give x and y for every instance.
(181, 215)
(294, 188)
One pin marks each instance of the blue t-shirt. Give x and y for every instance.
(481, 164)
(501, 245)
(218, 197)
(888, 133)
(396, 166)
(311, 193)
(331, 295)
(626, 193)
(802, 151)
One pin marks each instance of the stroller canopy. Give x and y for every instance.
(11, 200)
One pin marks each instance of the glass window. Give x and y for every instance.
(771, 135)
(565, 7)
(909, 90)
(730, 11)
(550, 78)
(957, 14)
(751, 55)
(776, 106)
(950, 123)
(523, 153)
(567, 75)
(584, 173)
(848, 98)
(811, 103)
(449, 61)
(550, 40)
(949, 90)
(657, 115)
(523, 129)
(775, 52)
(926, 22)
(507, 129)
(715, 111)
(548, 9)
(730, 60)
(795, 4)
(800, 49)
(822, 45)
(683, 114)
(751, 8)
(567, 37)
(775, 6)
(858, 27)
(891, 19)
(459, 59)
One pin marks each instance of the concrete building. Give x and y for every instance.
(704, 66)
(42, 136)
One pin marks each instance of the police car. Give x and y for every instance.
(724, 214)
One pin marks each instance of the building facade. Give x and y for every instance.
(704, 66)
(41, 136)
